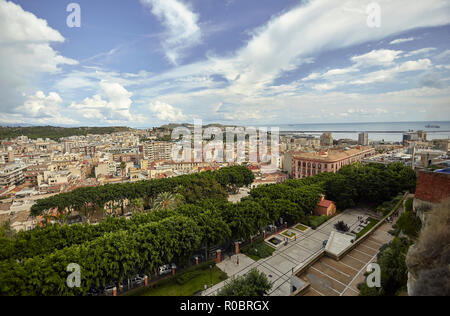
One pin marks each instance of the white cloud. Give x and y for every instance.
(381, 57)
(338, 72)
(241, 115)
(39, 108)
(181, 23)
(324, 86)
(114, 108)
(25, 52)
(25, 42)
(402, 40)
(39, 105)
(389, 74)
(287, 40)
(313, 76)
(290, 39)
(444, 55)
(166, 112)
(413, 65)
(422, 51)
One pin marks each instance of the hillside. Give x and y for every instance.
(55, 132)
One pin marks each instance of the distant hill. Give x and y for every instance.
(55, 133)
(189, 125)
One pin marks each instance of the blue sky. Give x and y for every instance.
(144, 63)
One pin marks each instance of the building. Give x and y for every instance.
(144, 164)
(430, 157)
(326, 139)
(269, 178)
(12, 175)
(363, 139)
(102, 170)
(7, 157)
(159, 151)
(306, 164)
(442, 144)
(420, 136)
(325, 207)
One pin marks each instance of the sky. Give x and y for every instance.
(144, 63)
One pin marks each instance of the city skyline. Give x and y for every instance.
(147, 63)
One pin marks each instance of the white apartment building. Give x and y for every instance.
(159, 151)
(363, 139)
(12, 175)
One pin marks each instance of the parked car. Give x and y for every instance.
(109, 289)
(165, 269)
(137, 280)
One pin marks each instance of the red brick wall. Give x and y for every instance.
(433, 187)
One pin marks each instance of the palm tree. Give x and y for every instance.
(168, 201)
(137, 205)
(123, 166)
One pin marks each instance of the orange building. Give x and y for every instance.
(307, 164)
(325, 207)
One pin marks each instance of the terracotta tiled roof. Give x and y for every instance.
(332, 155)
(325, 203)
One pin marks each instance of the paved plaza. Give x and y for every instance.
(286, 259)
(328, 277)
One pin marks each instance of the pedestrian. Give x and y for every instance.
(205, 287)
(237, 260)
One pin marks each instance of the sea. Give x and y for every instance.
(389, 132)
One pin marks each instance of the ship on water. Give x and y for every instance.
(432, 126)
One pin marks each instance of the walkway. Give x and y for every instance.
(280, 265)
(329, 277)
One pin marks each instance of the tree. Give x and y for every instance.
(341, 190)
(341, 227)
(365, 290)
(167, 200)
(253, 284)
(137, 205)
(123, 166)
(6, 231)
(394, 272)
(409, 224)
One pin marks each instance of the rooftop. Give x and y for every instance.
(338, 242)
(325, 203)
(332, 154)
